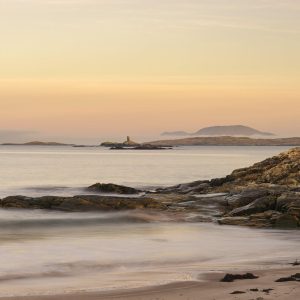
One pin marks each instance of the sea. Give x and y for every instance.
(51, 252)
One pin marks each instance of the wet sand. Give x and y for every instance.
(209, 289)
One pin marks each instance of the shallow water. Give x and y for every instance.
(34, 170)
(44, 252)
(49, 252)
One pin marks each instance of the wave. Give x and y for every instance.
(78, 268)
(70, 220)
(25, 276)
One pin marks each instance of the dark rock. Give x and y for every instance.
(287, 221)
(194, 187)
(289, 202)
(246, 197)
(257, 206)
(82, 203)
(296, 263)
(295, 277)
(285, 279)
(237, 292)
(152, 147)
(267, 291)
(254, 290)
(112, 188)
(216, 182)
(233, 277)
(267, 219)
(241, 221)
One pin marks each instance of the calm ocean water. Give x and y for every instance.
(65, 170)
(48, 252)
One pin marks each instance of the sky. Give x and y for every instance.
(95, 70)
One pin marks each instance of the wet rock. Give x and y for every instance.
(233, 277)
(216, 182)
(193, 187)
(295, 263)
(267, 291)
(289, 202)
(237, 293)
(246, 197)
(287, 221)
(267, 219)
(112, 188)
(295, 277)
(240, 221)
(82, 203)
(257, 206)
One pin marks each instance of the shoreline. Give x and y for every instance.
(209, 288)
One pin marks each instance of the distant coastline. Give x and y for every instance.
(228, 141)
(190, 141)
(37, 143)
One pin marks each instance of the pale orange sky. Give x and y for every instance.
(90, 70)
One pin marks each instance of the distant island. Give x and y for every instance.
(228, 141)
(230, 130)
(131, 145)
(37, 143)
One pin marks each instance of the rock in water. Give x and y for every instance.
(295, 277)
(110, 188)
(233, 277)
(237, 293)
(82, 203)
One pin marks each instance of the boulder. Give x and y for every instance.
(246, 197)
(289, 202)
(233, 277)
(109, 188)
(257, 206)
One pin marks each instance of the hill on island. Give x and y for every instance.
(230, 130)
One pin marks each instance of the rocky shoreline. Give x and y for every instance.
(265, 195)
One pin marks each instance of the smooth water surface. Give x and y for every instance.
(40, 170)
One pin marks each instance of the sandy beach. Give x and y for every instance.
(208, 288)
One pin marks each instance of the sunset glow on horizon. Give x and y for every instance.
(87, 70)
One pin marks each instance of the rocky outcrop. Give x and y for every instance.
(109, 188)
(279, 172)
(276, 209)
(266, 194)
